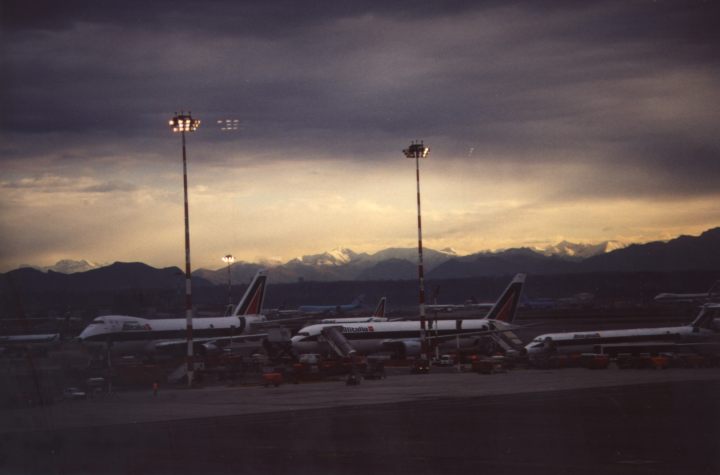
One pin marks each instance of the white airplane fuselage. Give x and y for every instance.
(128, 334)
(405, 338)
(368, 338)
(125, 334)
(703, 328)
(352, 320)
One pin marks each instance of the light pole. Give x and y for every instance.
(185, 123)
(417, 151)
(229, 259)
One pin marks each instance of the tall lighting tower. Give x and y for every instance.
(229, 259)
(185, 123)
(418, 150)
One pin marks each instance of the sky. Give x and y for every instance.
(546, 121)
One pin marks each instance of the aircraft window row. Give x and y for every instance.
(303, 333)
(131, 326)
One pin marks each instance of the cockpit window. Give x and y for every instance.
(303, 333)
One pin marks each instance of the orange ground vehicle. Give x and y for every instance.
(272, 377)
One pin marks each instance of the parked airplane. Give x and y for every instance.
(377, 316)
(702, 328)
(539, 303)
(21, 344)
(131, 335)
(470, 304)
(327, 309)
(713, 294)
(436, 307)
(404, 337)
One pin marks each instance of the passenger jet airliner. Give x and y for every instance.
(404, 337)
(133, 335)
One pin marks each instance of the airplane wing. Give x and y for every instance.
(285, 320)
(508, 328)
(35, 338)
(453, 307)
(472, 314)
(179, 343)
(505, 333)
(654, 345)
(394, 344)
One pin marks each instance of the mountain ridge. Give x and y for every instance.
(682, 253)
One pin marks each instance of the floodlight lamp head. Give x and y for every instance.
(184, 123)
(416, 150)
(229, 259)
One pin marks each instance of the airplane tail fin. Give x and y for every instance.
(706, 318)
(714, 292)
(380, 310)
(506, 306)
(252, 301)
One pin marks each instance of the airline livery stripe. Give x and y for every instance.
(665, 337)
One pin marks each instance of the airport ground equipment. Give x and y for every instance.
(491, 365)
(339, 344)
(594, 361)
(313, 367)
(374, 369)
(420, 366)
(272, 377)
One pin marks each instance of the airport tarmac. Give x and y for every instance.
(524, 421)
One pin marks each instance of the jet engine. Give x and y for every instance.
(405, 348)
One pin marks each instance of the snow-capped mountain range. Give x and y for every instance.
(570, 250)
(68, 266)
(345, 264)
(683, 253)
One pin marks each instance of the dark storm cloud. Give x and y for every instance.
(253, 17)
(560, 82)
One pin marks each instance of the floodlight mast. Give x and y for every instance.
(185, 123)
(229, 259)
(418, 150)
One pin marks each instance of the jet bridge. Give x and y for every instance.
(340, 345)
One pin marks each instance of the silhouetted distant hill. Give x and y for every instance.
(680, 254)
(390, 269)
(117, 276)
(502, 263)
(241, 272)
(686, 253)
(339, 264)
(69, 266)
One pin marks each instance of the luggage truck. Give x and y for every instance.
(313, 367)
